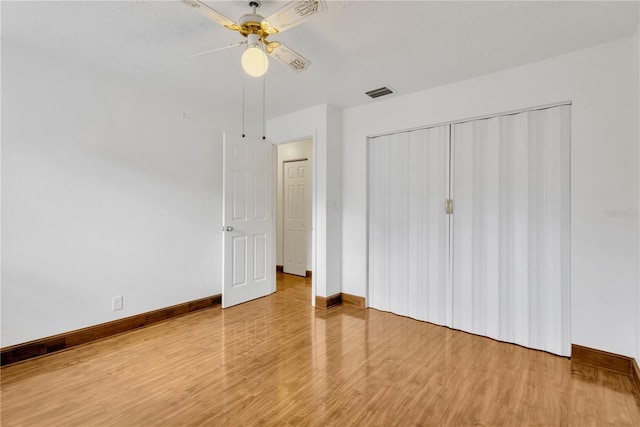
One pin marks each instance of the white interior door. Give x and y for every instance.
(511, 225)
(408, 225)
(297, 200)
(248, 257)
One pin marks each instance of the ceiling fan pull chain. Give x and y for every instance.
(243, 106)
(263, 104)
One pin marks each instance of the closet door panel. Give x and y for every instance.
(551, 210)
(511, 228)
(476, 237)
(408, 232)
(514, 228)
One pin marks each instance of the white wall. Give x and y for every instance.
(298, 150)
(108, 188)
(323, 124)
(602, 83)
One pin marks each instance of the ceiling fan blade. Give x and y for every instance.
(212, 14)
(220, 48)
(290, 57)
(291, 14)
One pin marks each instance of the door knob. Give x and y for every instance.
(227, 228)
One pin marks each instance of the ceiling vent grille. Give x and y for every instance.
(376, 93)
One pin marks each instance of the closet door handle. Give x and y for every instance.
(448, 206)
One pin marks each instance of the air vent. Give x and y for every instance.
(376, 93)
(191, 3)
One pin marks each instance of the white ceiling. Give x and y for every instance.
(355, 46)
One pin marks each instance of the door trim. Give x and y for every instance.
(314, 201)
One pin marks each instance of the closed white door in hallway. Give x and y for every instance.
(297, 216)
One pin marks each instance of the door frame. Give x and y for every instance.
(314, 195)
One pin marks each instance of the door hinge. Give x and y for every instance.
(448, 206)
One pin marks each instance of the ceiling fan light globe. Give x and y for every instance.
(255, 61)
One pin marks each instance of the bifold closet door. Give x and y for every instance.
(408, 226)
(511, 224)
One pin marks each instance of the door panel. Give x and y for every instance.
(259, 257)
(408, 225)
(239, 260)
(239, 195)
(248, 267)
(511, 228)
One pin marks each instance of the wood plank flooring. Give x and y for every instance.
(278, 361)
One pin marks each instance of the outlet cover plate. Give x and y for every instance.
(117, 303)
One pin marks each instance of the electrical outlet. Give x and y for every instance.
(117, 303)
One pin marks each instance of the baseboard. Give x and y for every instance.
(48, 345)
(353, 300)
(635, 375)
(340, 298)
(602, 359)
(328, 302)
(610, 361)
(280, 269)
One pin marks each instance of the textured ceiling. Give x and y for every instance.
(355, 46)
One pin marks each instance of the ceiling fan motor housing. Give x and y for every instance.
(250, 23)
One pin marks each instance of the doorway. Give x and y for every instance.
(294, 208)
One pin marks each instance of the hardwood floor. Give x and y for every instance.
(278, 361)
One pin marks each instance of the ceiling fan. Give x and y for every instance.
(257, 29)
